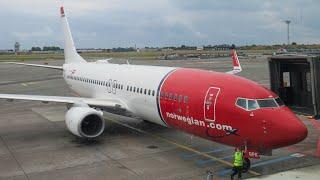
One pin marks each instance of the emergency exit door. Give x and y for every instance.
(210, 101)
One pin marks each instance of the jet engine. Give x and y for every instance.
(85, 122)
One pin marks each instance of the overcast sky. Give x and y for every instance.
(114, 23)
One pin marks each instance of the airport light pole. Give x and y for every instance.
(288, 30)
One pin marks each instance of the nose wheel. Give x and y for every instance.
(246, 165)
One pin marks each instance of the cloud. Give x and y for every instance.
(112, 23)
(46, 32)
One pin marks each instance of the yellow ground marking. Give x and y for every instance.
(180, 145)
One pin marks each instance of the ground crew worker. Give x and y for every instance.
(238, 162)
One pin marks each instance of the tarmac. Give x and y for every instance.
(35, 144)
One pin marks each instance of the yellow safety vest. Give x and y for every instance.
(238, 158)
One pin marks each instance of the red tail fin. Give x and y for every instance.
(62, 11)
(236, 63)
(235, 60)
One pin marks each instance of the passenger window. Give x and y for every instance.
(170, 96)
(141, 90)
(252, 104)
(130, 88)
(186, 99)
(167, 95)
(175, 97)
(145, 91)
(242, 103)
(153, 93)
(180, 98)
(149, 92)
(134, 89)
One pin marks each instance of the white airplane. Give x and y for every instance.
(203, 103)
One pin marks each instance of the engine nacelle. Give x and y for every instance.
(85, 122)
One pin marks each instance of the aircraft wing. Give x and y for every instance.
(36, 65)
(236, 63)
(109, 103)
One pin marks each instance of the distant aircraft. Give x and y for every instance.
(221, 107)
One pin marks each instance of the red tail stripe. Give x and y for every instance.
(62, 11)
(235, 58)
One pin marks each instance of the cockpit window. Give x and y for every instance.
(279, 102)
(252, 104)
(242, 103)
(267, 103)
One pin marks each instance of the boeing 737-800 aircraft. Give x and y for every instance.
(221, 107)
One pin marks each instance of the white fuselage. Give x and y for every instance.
(135, 85)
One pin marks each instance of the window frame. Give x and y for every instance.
(246, 99)
(283, 104)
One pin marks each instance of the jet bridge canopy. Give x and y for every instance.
(296, 79)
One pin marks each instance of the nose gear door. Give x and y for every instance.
(210, 103)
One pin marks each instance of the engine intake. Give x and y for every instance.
(85, 122)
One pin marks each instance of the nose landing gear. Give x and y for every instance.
(246, 165)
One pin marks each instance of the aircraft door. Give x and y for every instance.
(210, 103)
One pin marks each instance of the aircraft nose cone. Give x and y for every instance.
(293, 131)
(297, 132)
(285, 130)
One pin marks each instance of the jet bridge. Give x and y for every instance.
(296, 79)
